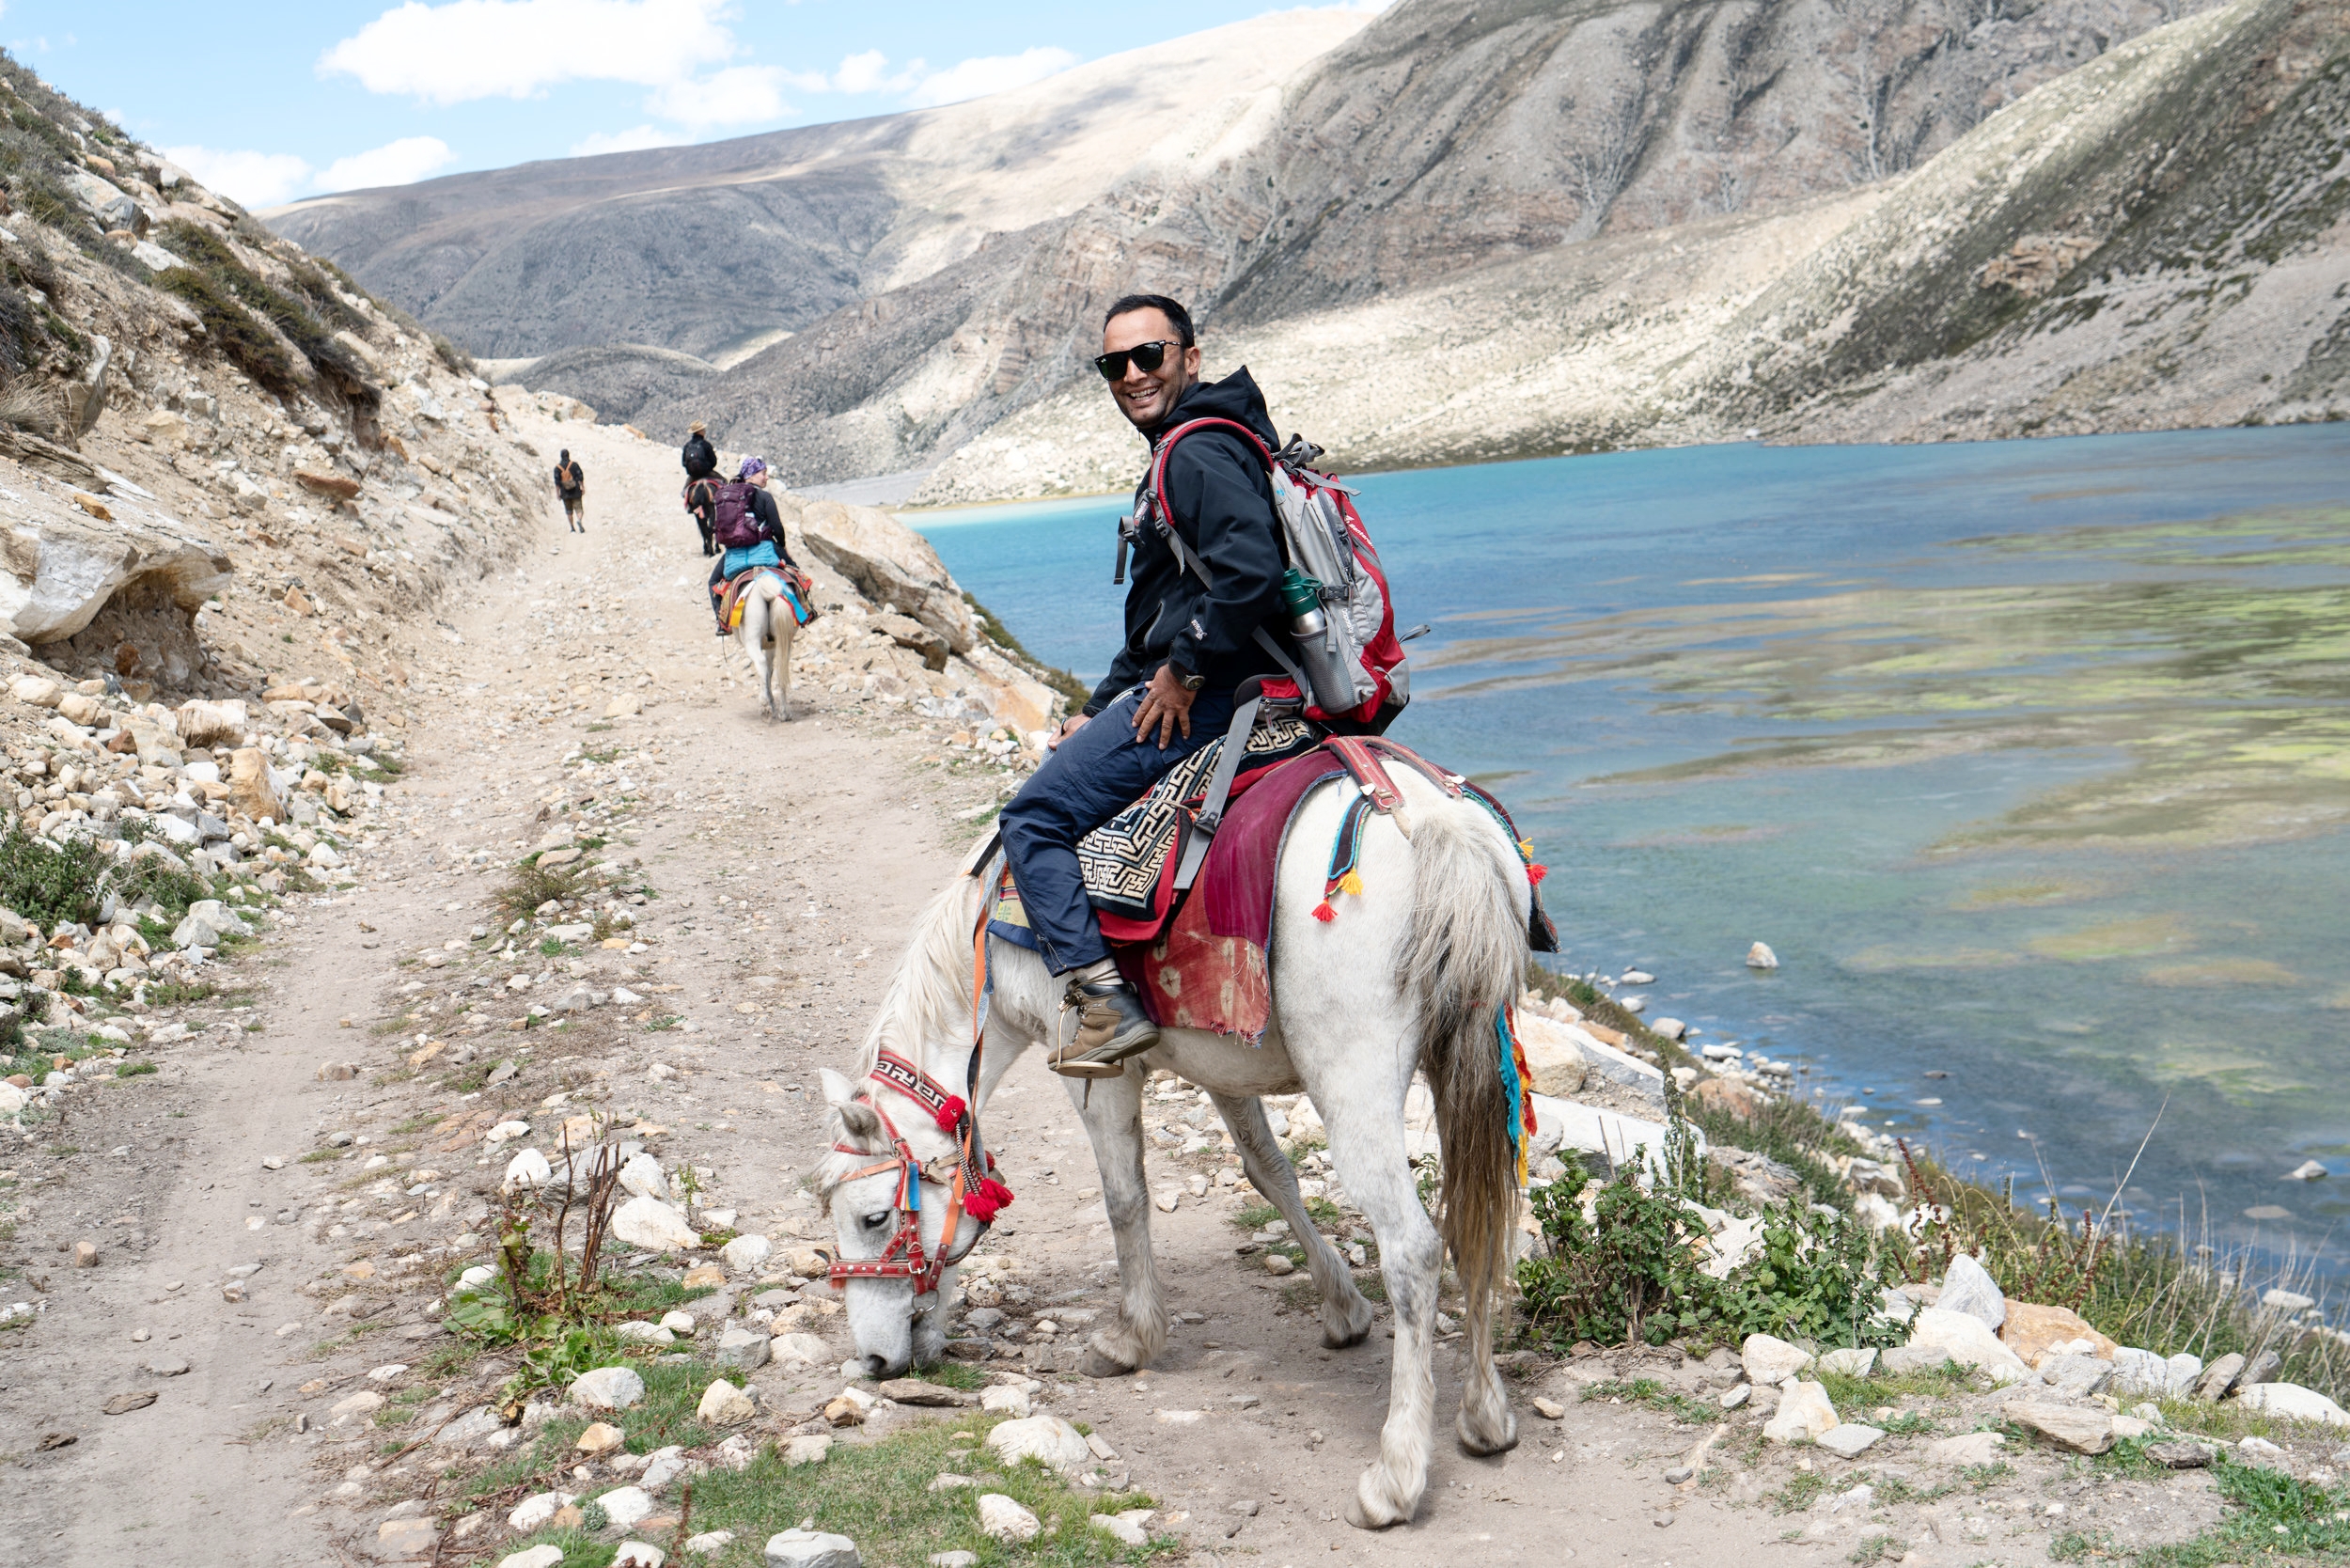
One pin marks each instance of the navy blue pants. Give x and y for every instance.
(1097, 773)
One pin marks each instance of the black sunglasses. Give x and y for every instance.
(1149, 356)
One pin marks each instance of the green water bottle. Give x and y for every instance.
(1303, 596)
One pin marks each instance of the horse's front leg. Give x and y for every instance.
(1346, 1317)
(1112, 1114)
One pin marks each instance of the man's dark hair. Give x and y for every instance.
(1176, 314)
(563, 456)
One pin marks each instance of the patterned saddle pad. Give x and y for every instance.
(1129, 862)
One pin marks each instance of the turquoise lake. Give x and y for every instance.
(2031, 760)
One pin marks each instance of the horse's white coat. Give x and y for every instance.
(1350, 998)
(766, 635)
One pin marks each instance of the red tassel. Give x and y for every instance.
(1534, 875)
(951, 1114)
(1323, 912)
(982, 1203)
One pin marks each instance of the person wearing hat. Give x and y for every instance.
(701, 474)
(748, 490)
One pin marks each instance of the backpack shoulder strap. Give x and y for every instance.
(1167, 449)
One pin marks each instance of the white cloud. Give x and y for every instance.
(401, 163)
(254, 179)
(474, 49)
(977, 78)
(637, 140)
(870, 73)
(738, 95)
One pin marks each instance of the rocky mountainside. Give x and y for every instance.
(706, 249)
(2156, 239)
(1446, 141)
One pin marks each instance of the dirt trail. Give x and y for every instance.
(823, 835)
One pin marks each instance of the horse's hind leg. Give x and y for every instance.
(1346, 1317)
(783, 667)
(1367, 1140)
(1111, 1109)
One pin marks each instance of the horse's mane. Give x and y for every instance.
(929, 999)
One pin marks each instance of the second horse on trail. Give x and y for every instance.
(760, 596)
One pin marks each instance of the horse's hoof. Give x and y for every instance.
(1359, 1517)
(1096, 1364)
(1478, 1447)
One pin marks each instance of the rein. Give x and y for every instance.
(972, 1187)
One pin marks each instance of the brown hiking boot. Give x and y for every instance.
(1111, 1026)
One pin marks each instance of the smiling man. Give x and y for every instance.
(1190, 642)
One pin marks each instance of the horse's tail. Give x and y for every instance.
(1465, 962)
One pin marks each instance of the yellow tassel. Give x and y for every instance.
(1526, 848)
(1351, 885)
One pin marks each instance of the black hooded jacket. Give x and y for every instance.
(1221, 502)
(699, 458)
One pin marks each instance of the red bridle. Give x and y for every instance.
(971, 1186)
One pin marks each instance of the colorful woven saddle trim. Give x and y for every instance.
(1346, 855)
(739, 591)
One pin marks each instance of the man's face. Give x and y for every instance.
(1146, 398)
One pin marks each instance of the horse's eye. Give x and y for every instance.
(876, 1220)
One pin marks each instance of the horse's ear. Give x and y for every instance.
(859, 1121)
(839, 1089)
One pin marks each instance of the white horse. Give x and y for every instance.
(1412, 975)
(766, 632)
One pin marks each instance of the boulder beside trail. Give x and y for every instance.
(890, 564)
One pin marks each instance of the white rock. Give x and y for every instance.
(2139, 1372)
(1848, 1439)
(1760, 957)
(637, 1554)
(642, 1177)
(798, 1350)
(1970, 1449)
(608, 1389)
(533, 1556)
(529, 1169)
(809, 1549)
(743, 1254)
(1804, 1414)
(650, 1223)
(744, 1349)
(663, 1465)
(1964, 1339)
(2292, 1401)
(1010, 1400)
(708, 1541)
(506, 1132)
(1967, 1288)
(1002, 1519)
(1047, 1438)
(1848, 1362)
(1124, 1529)
(2309, 1170)
(807, 1450)
(1770, 1359)
(679, 1324)
(636, 1332)
(625, 1505)
(536, 1510)
(723, 1405)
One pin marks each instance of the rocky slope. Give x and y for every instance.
(2154, 239)
(702, 249)
(1586, 195)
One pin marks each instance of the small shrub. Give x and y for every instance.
(533, 884)
(49, 884)
(135, 1070)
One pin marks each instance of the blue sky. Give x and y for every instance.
(270, 101)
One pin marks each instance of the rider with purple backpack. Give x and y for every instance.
(747, 527)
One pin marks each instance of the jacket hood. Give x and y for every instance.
(1236, 397)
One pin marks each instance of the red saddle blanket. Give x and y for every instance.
(1207, 966)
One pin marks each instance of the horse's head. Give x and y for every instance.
(897, 1317)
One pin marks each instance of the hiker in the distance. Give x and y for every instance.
(744, 511)
(701, 480)
(1190, 642)
(570, 487)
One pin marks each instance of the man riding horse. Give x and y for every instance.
(1190, 642)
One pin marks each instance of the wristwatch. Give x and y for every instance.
(1190, 682)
